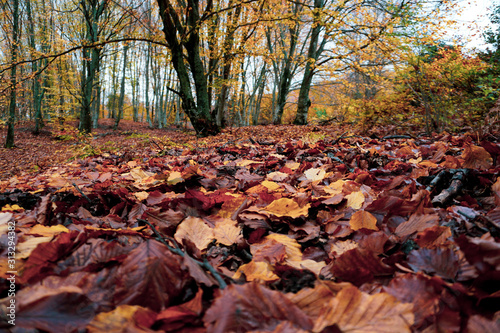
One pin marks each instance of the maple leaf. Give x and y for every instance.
(354, 311)
(252, 307)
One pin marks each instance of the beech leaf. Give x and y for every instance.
(195, 230)
(354, 311)
(363, 219)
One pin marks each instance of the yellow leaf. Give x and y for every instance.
(355, 200)
(195, 230)
(335, 188)
(292, 165)
(292, 248)
(141, 195)
(174, 177)
(312, 265)
(244, 163)
(363, 219)
(227, 232)
(231, 206)
(25, 248)
(339, 247)
(315, 174)
(256, 271)
(287, 207)
(48, 231)
(122, 316)
(271, 186)
(13, 208)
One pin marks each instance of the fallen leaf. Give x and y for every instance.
(476, 157)
(151, 276)
(363, 219)
(287, 207)
(354, 311)
(256, 270)
(227, 232)
(355, 200)
(315, 174)
(122, 316)
(252, 307)
(195, 230)
(47, 231)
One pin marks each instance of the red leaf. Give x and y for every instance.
(252, 307)
(152, 277)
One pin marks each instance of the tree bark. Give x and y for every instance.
(9, 140)
(312, 56)
(197, 110)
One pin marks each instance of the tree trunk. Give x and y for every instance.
(312, 55)
(122, 87)
(37, 96)
(197, 110)
(9, 140)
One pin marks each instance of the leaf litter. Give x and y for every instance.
(262, 229)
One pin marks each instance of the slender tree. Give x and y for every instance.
(9, 140)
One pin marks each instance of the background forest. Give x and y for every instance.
(212, 64)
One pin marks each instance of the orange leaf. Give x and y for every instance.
(256, 270)
(122, 316)
(354, 311)
(476, 157)
(287, 207)
(362, 219)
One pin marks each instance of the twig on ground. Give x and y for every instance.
(177, 250)
(81, 192)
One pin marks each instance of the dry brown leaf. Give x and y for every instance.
(339, 247)
(287, 207)
(227, 232)
(195, 230)
(416, 223)
(363, 219)
(256, 270)
(357, 312)
(476, 157)
(315, 174)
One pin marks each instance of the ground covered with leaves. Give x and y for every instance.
(263, 229)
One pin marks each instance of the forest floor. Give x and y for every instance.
(266, 228)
